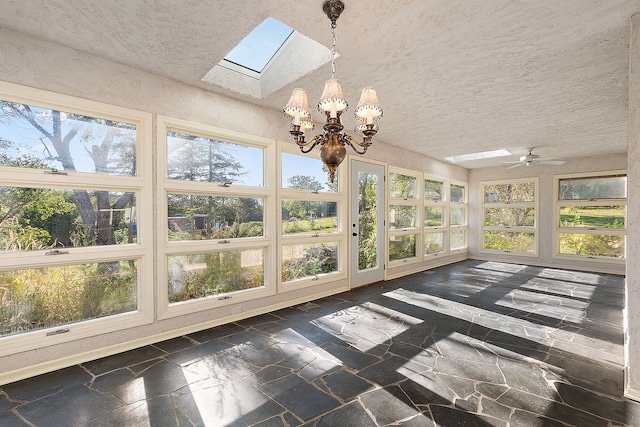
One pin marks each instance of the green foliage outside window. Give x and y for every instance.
(402, 247)
(300, 261)
(37, 298)
(367, 221)
(402, 186)
(601, 245)
(203, 275)
(512, 241)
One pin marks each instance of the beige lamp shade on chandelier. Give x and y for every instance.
(332, 103)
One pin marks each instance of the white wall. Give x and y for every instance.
(632, 347)
(59, 69)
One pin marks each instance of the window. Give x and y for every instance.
(458, 216)
(591, 216)
(405, 232)
(436, 215)
(214, 198)
(509, 216)
(75, 218)
(313, 241)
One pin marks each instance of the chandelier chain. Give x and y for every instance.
(333, 50)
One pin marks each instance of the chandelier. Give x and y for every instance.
(332, 103)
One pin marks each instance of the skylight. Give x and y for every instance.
(268, 59)
(260, 45)
(478, 156)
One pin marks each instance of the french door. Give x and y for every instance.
(367, 223)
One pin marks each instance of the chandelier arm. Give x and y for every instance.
(366, 143)
(318, 139)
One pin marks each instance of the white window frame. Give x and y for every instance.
(522, 229)
(168, 248)
(465, 225)
(444, 204)
(558, 229)
(142, 251)
(340, 197)
(418, 230)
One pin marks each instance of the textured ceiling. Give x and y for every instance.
(453, 77)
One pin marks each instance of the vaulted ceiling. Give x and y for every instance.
(453, 77)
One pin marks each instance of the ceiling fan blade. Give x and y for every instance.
(510, 163)
(516, 165)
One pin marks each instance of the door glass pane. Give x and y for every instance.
(401, 216)
(41, 138)
(367, 221)
(207, 274)
(44, 218)
(592, 216)
(308, 216)
(194, 217)
(592, 245)
(401, 247)
(309, 260)
(196, 158)
(433, 243)
(47, 297)
(433, 216)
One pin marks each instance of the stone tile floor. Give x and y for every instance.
(470, 344)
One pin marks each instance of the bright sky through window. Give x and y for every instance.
(257, 48)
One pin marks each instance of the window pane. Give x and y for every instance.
(592, 216)
(456, 238)
(195, 158)
(402, 216)
(433, 243)
(306, 216)
(433, 190)
(306, 173)
(202, 275)
(402, 186)
(309, 260)
(209, 217)
(510, 193)
(47, 297)
(592, 245)
(602, 187)
(509, 217)
(512, 241)
(401, 247)
(457, 216)
(41, 218)
(367, 221)
(433, 216)
(457, 194)
(40, 138)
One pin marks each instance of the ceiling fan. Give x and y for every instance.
(534, 158)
